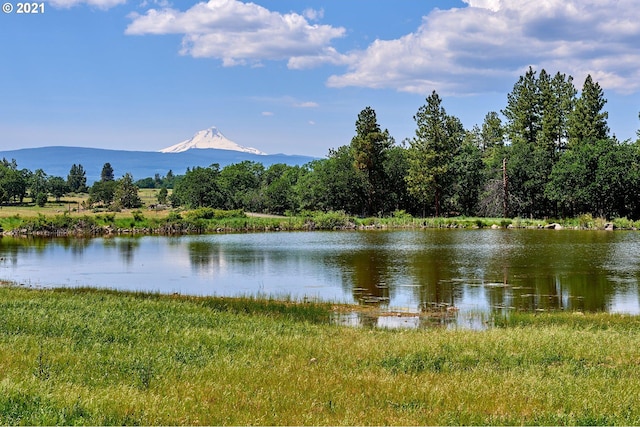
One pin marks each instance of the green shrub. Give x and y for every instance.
(174, 216)
(401, 214)
(41, 199)
(137, 215)
(599, 223)
(331, 220)
(585, 221)
(210, 213)
(623, 223)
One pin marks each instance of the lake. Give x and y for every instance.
(469, 271)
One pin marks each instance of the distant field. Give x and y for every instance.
(72, 205)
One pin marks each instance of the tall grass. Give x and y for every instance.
(33, 220)
(102, 357)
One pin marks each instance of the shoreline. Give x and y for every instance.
(209, 221)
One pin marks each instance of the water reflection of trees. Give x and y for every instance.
(367, 270)
(495, 269)
(549, 270)
(126, 246)
(368, 276)
(431, 269)
(204, 255)
(435, 271)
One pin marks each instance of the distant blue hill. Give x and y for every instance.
(57, 161)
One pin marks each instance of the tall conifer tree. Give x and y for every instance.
(588, 122)
(369, 147)
(432, 152)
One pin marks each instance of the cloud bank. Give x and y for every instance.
(480, 47)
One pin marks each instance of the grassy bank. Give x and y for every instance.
(69, 217)
(208, 220)
(98, 357)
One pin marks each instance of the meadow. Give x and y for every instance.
(98, 357)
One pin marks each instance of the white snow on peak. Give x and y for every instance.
(210, 138)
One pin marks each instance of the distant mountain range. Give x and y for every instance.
(57, 161)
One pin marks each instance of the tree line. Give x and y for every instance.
(548, 153)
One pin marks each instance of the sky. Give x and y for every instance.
(291, 76)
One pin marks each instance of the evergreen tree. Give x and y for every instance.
(370, 146)
(556, 99)
(523, 110)
(588, 121)
(169, 179)
(469, 176)
(107, 173)
(491, 133)
(125, 195)
(162, 196)
(537, 112)
(77, 179)
(396, 167)
(431, 156)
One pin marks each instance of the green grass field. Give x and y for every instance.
(104, 358)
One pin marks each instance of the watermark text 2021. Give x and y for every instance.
(30, 8)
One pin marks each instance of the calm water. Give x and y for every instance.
(476, 271)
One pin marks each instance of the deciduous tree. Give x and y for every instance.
(57, 187)
(200, 187)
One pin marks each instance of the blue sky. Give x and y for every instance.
(291, 76)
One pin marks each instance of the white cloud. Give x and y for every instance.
(267, 113)
(239, 33)
(313, 15)
(486, 45)
(286, 101)
(307, 104)
(102, 4)
(159, 3)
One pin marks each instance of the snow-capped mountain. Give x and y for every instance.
(210, 138)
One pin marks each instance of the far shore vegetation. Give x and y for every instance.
(67, 218)
(99, 357)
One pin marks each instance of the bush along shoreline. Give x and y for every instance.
(208, 220)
